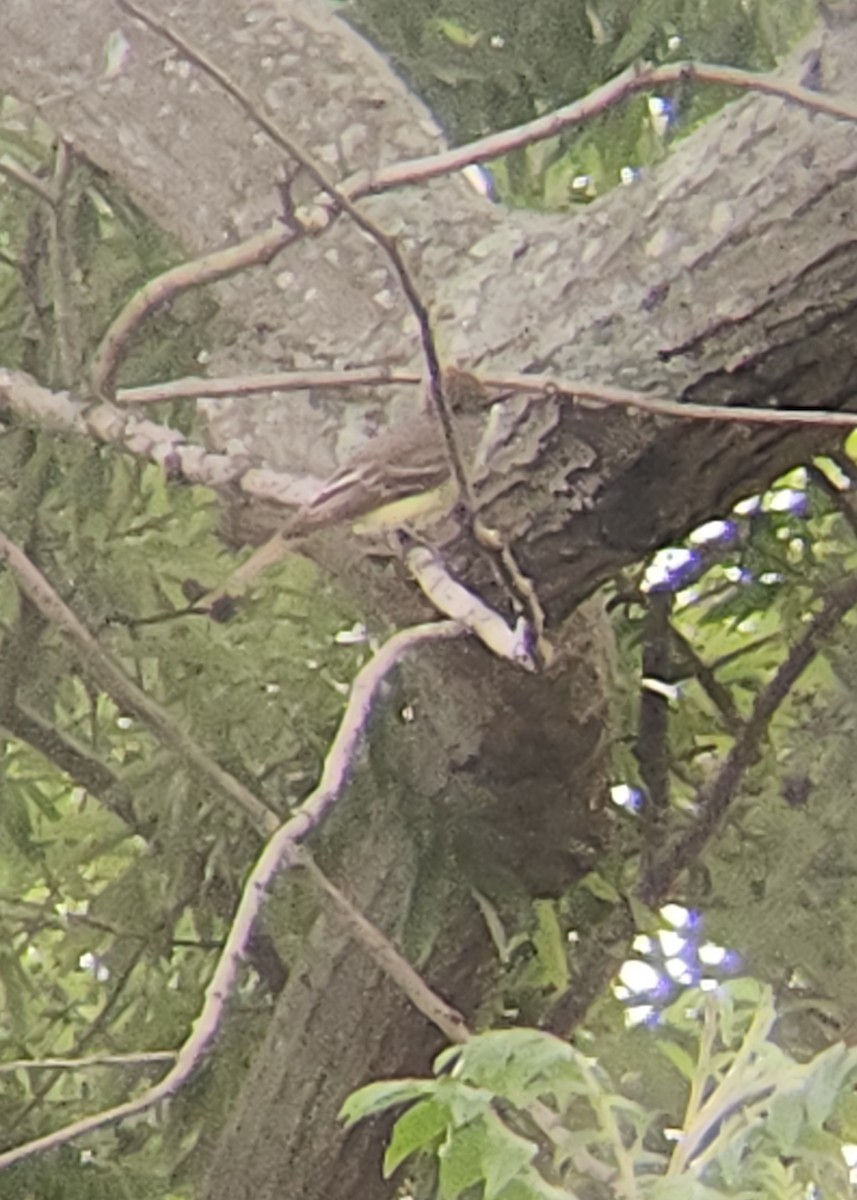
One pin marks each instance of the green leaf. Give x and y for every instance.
(520, 1064)
(16, 991)
(600, 888)
(466, 1104)
(15, 816)
(646, 920)
(550, 946)
(457, 34)
(732, 1158)
(680, 1059)
(531, 1186)
(506, 1155)
(415, 1130)
(683, 1188)
(830, 1073)
(460, 1160)
(777, 1180)
(786, 1116)
(378, 1097)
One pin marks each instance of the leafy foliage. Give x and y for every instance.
(520, 1115)
(119, 871)
(484, 65)
(109, 248)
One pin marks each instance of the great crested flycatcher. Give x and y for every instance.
(401, 477)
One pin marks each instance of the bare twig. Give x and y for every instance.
(278, 852)
(630, 82)
(454, 600)
(220, 264)
(47, 1082)
(12, 169)
(552, 386)
(714, 798)
(180, 459)
(577, 390)
(82, 768)
(382, 951)
(652, 748)
(706, 675)
(247, 385)
(67, 349)
(107, 673)
(184, 461)
(143, 1058)
(341, 201)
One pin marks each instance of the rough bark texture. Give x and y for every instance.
(729, 275)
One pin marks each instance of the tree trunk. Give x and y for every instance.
(726, 276)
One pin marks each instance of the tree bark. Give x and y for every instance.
(728, 275)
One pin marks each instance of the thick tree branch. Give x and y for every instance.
(340, 199)
(662, 289)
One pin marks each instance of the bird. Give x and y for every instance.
(401, 477)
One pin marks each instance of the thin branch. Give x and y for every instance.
(700, 1081)
(210, 268)
(732, 656)
(185, 461)
(84, 770)
(749, 1075)
(382, 951)
(43, 914)
(143, 1058)
(285, 142)
(706, 676)
(67, 342)
(111, 1003)
(387, 244)
(82, 767)
(603, 955)
(98, 665)
(181, 460)
(278, 853)
(454, 600)
(652, 744)
(47, 1084)
(552, 386)
(191, 388)
(577, 390)
(628, 83)
(12, 169)
(714, 798)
